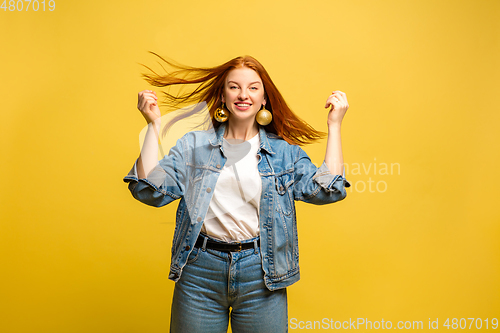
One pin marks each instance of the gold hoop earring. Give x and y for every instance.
(264, 117)
(221, 114)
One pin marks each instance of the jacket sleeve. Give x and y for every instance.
(165, 183)
(317, 185)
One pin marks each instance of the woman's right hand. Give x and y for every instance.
(148, 105)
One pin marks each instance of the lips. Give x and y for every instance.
(242, 106)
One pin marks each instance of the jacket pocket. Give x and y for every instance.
(284, 190)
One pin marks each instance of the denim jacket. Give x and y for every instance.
(190, 173)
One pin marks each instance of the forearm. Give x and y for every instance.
(333, 157)
(148, 159)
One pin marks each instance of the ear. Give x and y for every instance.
(223, 99)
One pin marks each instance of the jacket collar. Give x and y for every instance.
(216, 139)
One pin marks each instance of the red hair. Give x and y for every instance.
(210, 86)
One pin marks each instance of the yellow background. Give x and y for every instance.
(79, 254)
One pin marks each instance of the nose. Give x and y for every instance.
(243, 94)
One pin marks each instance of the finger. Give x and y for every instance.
(150, 101)
(340, 95)
(145, 103)
(337, 93)
(142, 106)
(344, 96)
(335, 98)
(148, 93)
(143, 99)
(338, 99)
(329, 102)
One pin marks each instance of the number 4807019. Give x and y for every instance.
(478, 323)
(35, 5)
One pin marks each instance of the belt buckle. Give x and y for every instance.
(240, 247)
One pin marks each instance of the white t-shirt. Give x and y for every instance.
(233, 213)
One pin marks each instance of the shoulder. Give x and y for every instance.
(279, 145)
(194, 140)
(199, 134)
(284, 151)
(198, 137)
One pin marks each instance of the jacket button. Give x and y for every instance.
(198, 219)
(218, 166)
(187, 248)
(281, 188)
(209, 190)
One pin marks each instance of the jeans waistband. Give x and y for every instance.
(206, 242)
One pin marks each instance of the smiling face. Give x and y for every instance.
(243, 93)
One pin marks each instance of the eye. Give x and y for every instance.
(233, 87)
(254, 88)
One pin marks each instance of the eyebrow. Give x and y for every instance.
(249, 84)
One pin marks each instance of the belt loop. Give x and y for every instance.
(204, 247)
(255, 246)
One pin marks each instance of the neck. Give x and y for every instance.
(241, 131)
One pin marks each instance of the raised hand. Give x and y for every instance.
(338, 102)
(148, 105)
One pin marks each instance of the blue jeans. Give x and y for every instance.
(213, 282)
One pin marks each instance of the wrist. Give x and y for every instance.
(156, 123)
(334, 126)
(155, 127)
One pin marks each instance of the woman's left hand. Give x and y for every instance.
(339, 106)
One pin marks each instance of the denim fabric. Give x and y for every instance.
(190, 173)
(213, 282)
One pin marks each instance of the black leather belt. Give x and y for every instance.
(225, 247)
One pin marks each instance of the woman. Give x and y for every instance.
(235, 246)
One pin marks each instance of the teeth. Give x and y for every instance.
(243, 104)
